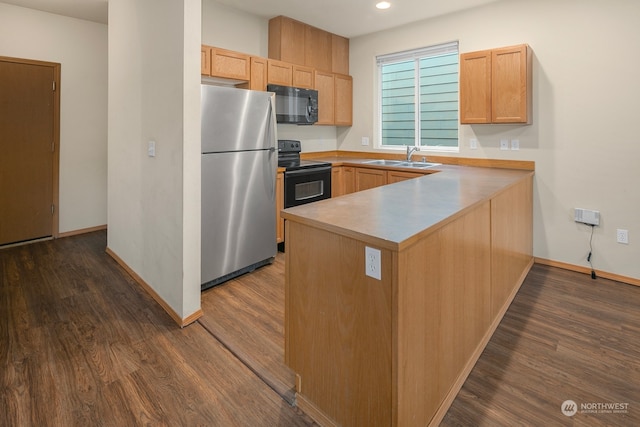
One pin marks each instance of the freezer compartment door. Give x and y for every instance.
(238, 211)
(236, 119)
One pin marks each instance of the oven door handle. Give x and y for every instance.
(308, 171)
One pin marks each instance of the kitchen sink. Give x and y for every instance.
(385, 162)
(402, 164)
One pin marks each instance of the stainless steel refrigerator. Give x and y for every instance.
(239, 161)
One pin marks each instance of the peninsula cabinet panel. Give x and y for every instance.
(324, 84)
(443, 312)
(230, 65)
(345, 316)
(303, 77)
(343, 86)
(512, 242)
(279, 73)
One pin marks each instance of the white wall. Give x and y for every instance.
(232, 29)
(81, 49)
(585, 107)
(154, 94)
(228, 28)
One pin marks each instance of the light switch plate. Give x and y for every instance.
(151, 149)
(365, 140)
(504, 144)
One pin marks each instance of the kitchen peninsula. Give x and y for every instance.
(454, 247)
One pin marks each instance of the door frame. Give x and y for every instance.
(55, 179)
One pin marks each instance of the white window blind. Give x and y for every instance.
(419, 97)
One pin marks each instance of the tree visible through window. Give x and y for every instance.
(419, 97)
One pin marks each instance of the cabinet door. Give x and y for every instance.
(279, 73)
(343, 93)
(286, 40)
(325, 87)
(258, 73)
(369, 178)
(475, 87)
(511, 85)
(317, 49)
(303, 77)
(397, 176)
(230, 65)
(339, 54)
(205, 60)
(279, 207)
(348, 179)
(337, 186)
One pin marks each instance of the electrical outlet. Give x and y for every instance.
(365, 140)
(372, 262)
(515, 144)
(473, 144)
(622, 236)
(504, 144)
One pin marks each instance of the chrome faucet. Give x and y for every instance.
(410, 151)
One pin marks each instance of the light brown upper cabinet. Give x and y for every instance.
(229, 64)
(279, 73)
(339, 54)
(317, 48)
(343, 100)
(335, 98)
(286, 40)
(496, 85)
(258, 79)
(205, 60)
(303, 77)
(299, 43)
(325, 85)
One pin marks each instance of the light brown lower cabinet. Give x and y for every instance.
(337, 185)
(352, 179)
(397, 176)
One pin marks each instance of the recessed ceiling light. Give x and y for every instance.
(383, 5)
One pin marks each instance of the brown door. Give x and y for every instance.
(27, 142)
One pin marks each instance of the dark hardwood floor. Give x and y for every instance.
(82, 344)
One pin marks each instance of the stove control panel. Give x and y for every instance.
(288, 146)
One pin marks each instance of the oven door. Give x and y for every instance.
(306, 185)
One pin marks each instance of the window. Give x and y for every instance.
(419, 97)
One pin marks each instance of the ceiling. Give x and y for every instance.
(348, 18)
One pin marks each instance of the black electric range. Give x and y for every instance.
(289, 157)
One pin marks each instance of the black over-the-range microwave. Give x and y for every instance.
(295, 105)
